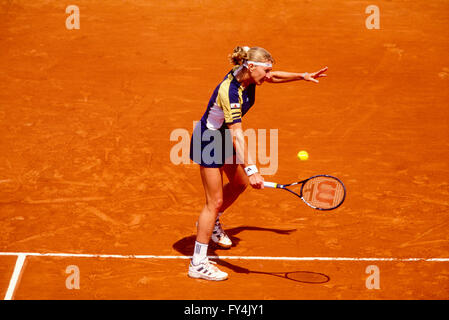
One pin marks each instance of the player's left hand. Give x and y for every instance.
(313, 76)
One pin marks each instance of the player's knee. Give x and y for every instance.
(215, 205)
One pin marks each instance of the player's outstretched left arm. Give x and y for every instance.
(283, 76)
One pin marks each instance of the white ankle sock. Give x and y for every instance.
(199, 253)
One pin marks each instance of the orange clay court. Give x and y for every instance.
(86, 178)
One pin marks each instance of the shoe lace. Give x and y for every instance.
(211, 265)
(219, 227)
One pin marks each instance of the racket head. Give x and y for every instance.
(307, 277)
(323, 192)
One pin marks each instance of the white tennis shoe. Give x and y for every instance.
(206, 270)
(220, 237)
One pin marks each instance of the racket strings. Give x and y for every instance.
(323, 192)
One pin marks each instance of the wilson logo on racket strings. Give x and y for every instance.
(321, 192)
(210, 147)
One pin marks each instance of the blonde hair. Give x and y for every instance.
(242, 54)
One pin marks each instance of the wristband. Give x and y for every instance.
(250, 170)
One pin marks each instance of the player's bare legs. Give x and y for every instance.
(213, 187)
(200, 266)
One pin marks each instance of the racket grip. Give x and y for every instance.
(267, 184)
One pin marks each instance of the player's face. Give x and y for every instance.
(260, 74)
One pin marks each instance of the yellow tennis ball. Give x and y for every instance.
(303, 155)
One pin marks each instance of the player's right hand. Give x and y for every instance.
(256, 181)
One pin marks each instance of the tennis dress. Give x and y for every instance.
(211, 143)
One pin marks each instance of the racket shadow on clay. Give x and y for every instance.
(308, 277)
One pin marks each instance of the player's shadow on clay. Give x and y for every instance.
(185, 246)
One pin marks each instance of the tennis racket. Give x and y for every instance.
(321, 192)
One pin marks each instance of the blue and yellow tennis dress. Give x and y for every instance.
(211, 144)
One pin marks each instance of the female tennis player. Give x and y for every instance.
(218, 146)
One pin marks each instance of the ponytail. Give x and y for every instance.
(239, 55)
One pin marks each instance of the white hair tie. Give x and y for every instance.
(246, 48)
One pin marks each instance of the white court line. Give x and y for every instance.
(118, 256)
(15, 276)
(21, 256)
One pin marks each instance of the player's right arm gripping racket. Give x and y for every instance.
(321, 192)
